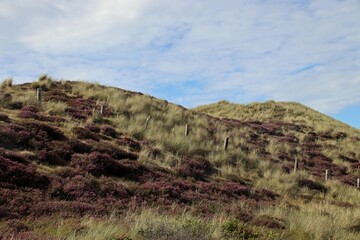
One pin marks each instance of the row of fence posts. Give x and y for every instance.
(187, 131)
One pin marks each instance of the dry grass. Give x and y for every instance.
(306, 214)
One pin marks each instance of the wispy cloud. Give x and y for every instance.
(192, 52)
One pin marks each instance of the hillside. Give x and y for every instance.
(96, 162)
(283, 111)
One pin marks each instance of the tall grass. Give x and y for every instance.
(6, 83)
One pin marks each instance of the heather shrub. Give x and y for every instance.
(67, 208)
(81, 188)
(82, 163)
(80, 108)
(167, 192)
(109, 131)
(4, 118)
(312, 185)
(12, 135)
(41, 134)
(51, 157)
(129, 142)
(33, 112)
(80, 146)
(13, 156)
(52, 133)
(108, 166)
(114, 151)
(94, 128)
(197, 168)
(112, 189)
(20, 175)
(57, 97)
(83, 133)
(29, 112)
(96, 163)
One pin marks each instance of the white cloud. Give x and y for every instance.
(306, 51)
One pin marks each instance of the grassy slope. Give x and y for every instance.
(260, 156)
(282, 111)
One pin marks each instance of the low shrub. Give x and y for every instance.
(12, 135)
(13, 156)
(4, 118)
(197, 168)
(131, 143)
(109, 131)
(114, 151)
(94, 128)
(83, 133)
(33, 112)
(20, 175)
(79, 146)
(312, 185)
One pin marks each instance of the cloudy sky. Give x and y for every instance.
(193, 52)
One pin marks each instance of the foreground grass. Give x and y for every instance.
(315, 220)
(299, 213)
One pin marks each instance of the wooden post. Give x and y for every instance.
(186, 129)
(327, 174)
(296, 165)
(226, 143)
(39, 94)
(147, 122)
(358, 183)
(101, 109)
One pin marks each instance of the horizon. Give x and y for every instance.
(347, 115)
(194, 53)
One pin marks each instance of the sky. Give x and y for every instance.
(193, 52)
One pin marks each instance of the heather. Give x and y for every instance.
(95, 162)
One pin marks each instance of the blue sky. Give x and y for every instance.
(193, 52)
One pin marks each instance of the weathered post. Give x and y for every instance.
(226, 143)
(39, 95)
(147, 122)
(358, 183)
(186, 129)
(101, 109)
(327, 174)
(296, 165)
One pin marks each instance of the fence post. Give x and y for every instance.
(39, 94)
(186, 129)
(147, 122)
(226, 143)
(101, 109)
(296, 165)
(327, 174)
(358, 183)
